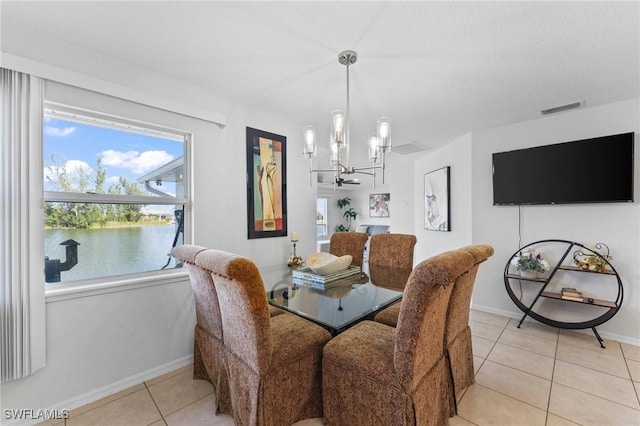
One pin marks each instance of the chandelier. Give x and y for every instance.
(379, 142)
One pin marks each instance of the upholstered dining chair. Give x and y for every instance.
(459, 350)
(274, 363)
(390, 254)
(389, 277)
(458, 347)
(208, 339)
(392, 250)
(208, 361)
(375, 374)
(352, 243)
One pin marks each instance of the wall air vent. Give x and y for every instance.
(560, 108)
(409, 148)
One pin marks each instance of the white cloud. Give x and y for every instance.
(138, 163)
(111, 180)
(55, 131)
(73, 168)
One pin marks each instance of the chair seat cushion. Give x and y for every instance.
(359, 382)
(294, 337)
(366, 349)
(389, 316)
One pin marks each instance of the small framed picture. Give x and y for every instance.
(379, 205)
(436, 200)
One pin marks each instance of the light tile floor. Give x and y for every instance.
(535, 375)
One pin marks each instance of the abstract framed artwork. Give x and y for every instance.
(437, 209)
(379, 205)
(266, 184)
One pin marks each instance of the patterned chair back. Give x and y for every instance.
(204, 292)
(392, 250)
(343, 243)
(243, 307)
(419, 342)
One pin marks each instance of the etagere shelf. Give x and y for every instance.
(607, 306)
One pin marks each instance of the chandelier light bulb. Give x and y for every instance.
(384, 132)
(334, 152)
(310, 146)
(373, 147)
(337, 121)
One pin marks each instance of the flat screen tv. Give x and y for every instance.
(596, 170)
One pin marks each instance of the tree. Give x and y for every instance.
(349, 214)
(126, 212)
(84, 179)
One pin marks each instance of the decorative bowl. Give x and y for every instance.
(326, 263)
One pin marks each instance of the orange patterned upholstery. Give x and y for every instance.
(373, 374)
(392, 250)
(352, 243)
(458, 333)
(273, 362)
(208, 338)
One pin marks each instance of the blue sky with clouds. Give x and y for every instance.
(78, 146)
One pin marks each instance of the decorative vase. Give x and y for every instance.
(529, 273)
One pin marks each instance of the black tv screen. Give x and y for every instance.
(597, 170)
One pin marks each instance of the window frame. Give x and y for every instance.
(98, 285)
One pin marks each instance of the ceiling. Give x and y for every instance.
(439, 69)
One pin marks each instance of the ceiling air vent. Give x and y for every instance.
(409, 148)
(561, 108)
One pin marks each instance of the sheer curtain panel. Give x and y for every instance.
(22, 316)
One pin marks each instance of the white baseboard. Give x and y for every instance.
(110, 389)
(123, 384)
(517, 315)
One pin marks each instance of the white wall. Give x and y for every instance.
(616, 224)
(99, 344)
(398, 183)
(456, 155)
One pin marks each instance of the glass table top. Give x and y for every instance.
(338, 307)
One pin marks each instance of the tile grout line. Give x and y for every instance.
(515, 369)
(584, 391)
(553, 372)
(635, 388)
(154, 403)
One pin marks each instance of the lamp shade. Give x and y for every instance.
(310, 148)
(384, 133)
(337, 126)
(373, 147)
(334, 152)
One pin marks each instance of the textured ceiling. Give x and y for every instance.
(439, 69)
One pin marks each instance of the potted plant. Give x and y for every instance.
(349, 214)
(529, 263)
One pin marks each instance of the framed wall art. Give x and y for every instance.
(379, 205)
(266, 184)
(437, 209)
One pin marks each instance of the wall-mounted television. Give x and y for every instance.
(596, 170)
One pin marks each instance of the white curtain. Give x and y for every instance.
(22, 304)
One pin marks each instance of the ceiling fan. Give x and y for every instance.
(341, 181)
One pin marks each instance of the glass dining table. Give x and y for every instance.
(339, 307)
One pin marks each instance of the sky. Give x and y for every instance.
(78, 146)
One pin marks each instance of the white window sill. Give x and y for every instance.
(59, 292)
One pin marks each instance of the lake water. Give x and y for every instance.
(112, 251)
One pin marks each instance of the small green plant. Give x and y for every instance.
(529, 260)
(349, 214)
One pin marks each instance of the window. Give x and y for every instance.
(321, 218)
(115, 195)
